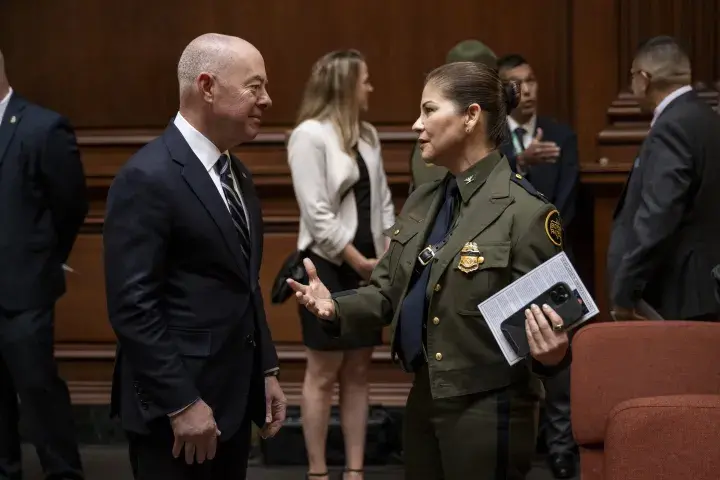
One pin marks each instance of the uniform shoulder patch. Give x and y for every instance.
(553, 227)
(528, 187)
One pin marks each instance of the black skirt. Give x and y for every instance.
(336, 279)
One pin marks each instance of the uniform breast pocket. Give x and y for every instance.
(400, 236)
(479, 271)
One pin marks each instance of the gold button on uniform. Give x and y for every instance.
(437, 287)
(438, 356)
(396, 231)
(481, 260)
(436, 320)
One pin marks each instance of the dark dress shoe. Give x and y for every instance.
(562, 465)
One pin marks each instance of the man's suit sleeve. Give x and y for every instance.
(136, 236)
(270, 361)
(63, 179)
(566, 195)
(667, 173)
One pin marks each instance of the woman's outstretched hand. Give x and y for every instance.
(315, 295)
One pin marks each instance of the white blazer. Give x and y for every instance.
(321, 173)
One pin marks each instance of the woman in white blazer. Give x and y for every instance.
(345, 205)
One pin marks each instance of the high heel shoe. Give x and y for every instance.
(352, 470)
(310, 476)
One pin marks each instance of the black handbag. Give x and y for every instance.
(293, 268)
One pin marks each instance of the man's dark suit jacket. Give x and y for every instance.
(187, 311)
(43, 203)
(666, 227)
(557, 181)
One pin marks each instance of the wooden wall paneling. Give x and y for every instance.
(112, 65)
(593, 50)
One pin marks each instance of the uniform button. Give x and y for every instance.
(481, 260)
(396, 231)
(437, 287)
(438, 356)
(436, 320)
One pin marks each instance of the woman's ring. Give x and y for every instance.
(557, 327)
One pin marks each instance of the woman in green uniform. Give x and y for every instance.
(457, 241)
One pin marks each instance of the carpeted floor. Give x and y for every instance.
(110, 463)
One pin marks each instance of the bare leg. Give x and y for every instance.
(354, 408)
(320, 375)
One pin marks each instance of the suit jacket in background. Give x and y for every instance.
(43, 204)
(557, 181)
(187, 310)
(664, 241)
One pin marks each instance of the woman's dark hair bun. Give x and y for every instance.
(512, 95)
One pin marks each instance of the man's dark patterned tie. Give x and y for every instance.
(520, 136)
(222, 166)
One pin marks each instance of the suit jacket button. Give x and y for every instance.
(436, 321)
(437, 287)
(438, 356)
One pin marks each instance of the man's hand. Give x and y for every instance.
(196, 430)
(620, 314)
(275, 407)
(539, 152)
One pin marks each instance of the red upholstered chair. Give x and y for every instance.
(664, 438)
(639, 392)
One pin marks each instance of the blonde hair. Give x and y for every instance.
(331, 94)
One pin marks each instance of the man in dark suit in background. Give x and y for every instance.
(545, 152)
(664, 241)
(183, 245)
(540, 148)
(42, 206)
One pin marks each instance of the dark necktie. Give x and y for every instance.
(520, 136)
(222, 166)
(413, 312)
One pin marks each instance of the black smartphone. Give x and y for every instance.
(561, 298)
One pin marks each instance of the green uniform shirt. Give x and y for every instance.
(513, 227)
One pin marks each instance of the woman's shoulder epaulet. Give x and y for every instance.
(528, 187)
